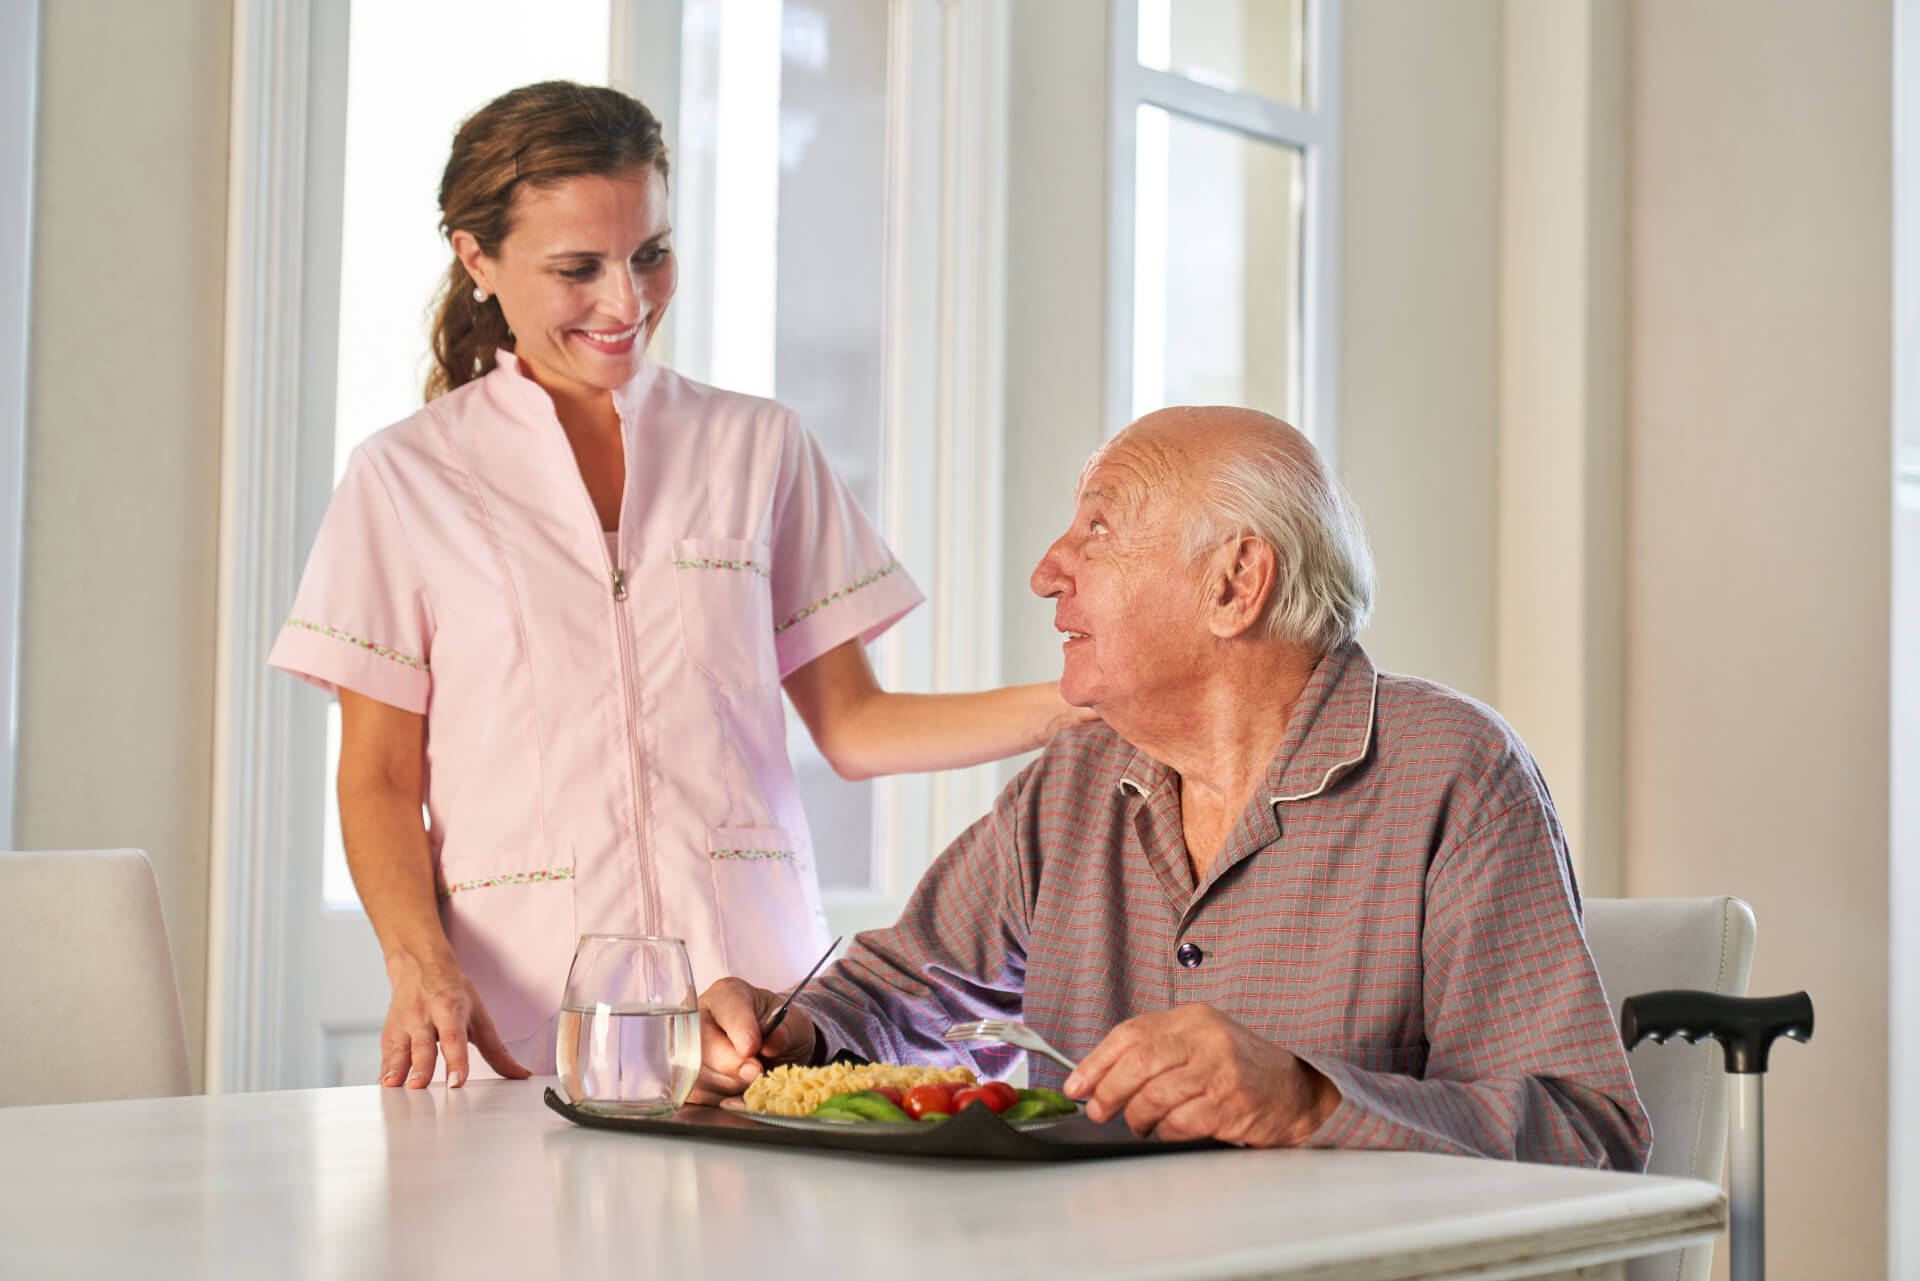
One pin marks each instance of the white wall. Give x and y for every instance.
(122, 492)
(1419, 325)
(1757, 612)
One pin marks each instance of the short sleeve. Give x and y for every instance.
(362, 618)
(833, 577)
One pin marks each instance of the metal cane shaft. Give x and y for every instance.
(1747, 1232)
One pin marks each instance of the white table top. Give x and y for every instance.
(487, 1182)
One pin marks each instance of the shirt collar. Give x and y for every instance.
(520, 397)
(1328, 735)
(1331, 730)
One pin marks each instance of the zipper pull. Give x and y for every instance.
(619, 585)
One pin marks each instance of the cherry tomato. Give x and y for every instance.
(928, 1096)
(997, 1096)
(891, 1093)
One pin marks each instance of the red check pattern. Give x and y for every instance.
(1397, 908)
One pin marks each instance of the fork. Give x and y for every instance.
(1007, 1032)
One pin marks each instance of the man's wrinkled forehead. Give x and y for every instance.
(1123, 474)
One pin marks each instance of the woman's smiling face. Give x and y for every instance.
(584, 278)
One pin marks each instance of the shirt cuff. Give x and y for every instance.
(864, 608)
(331, 659)
(1351, 1121)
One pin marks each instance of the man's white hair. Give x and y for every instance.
(1281, 493)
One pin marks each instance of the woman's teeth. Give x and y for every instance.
(610, 339)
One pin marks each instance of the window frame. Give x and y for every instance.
(1314, 131)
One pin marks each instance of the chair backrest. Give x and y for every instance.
(89, 1008)
(1649, 945)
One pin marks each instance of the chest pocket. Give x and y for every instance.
(726, 609)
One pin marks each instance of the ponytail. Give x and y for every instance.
(466, 333)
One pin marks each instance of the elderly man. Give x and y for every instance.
(1273, 896)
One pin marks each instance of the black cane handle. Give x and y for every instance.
(1745, 1026)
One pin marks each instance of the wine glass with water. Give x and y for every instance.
(629, 1025)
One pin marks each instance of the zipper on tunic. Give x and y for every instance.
(649, 882)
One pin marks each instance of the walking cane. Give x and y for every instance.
(1746, 1028)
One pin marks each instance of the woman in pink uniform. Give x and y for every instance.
(560, 603)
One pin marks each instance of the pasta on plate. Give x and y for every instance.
(796, 1091)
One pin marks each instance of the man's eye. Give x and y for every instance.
(1096, 526)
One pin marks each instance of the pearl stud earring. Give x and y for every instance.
(479, 294)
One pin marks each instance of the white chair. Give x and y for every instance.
(1655, 944)
(89, 1008)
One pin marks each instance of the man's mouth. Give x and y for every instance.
(609, 340)
(1071, 635)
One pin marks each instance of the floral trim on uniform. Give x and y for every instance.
(785, 856)
(753, 565)
(842, 594)
(510, 878)
(338, 635)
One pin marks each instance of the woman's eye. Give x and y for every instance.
(652, 257)
(586, 272)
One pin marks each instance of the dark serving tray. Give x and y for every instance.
(976, 1133)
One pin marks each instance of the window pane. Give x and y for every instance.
(1252, 46)
(781, 198)
(400, 124)
(1216, 301)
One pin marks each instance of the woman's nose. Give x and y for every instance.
(621, 297)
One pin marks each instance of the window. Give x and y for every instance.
(1224, 136)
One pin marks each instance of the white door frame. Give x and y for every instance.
(19, 67)
(283, 286)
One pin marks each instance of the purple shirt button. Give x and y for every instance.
(1190, 956)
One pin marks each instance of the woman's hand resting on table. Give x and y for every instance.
(434, 1010)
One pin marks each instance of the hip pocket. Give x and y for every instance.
(726, 608)
(770, 926)
(510, 920)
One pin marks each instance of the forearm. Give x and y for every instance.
(957, 953)
(392, 867)
(888, 733)
(876, 1003)
(1518, 1118)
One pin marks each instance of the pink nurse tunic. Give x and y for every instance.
(605, 738)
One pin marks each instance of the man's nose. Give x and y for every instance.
(1049, 579)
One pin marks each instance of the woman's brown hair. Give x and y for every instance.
(533, 137)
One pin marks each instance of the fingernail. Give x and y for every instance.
(454, 1079)
(389, 1078)
(1070, 1086)
(415, 1076)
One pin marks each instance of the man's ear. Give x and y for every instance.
(1241, 577)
